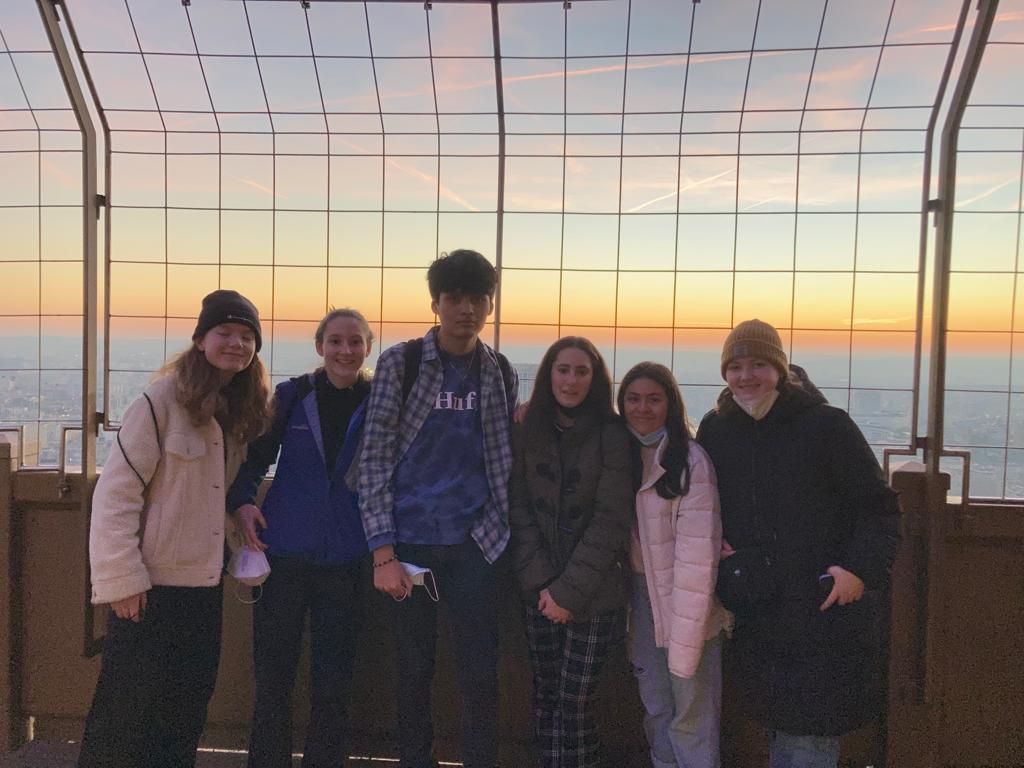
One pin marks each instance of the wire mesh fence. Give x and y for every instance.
(646, 173)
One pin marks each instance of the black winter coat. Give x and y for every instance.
(803, 485)
(570, 512)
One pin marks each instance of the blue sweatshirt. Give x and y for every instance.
(440, 484)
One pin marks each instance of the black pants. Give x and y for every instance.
(467, 586)
(155, 682)
(331, 596)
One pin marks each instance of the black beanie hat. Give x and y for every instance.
(224, 306)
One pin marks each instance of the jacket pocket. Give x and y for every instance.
(839, 631)
(185, 447)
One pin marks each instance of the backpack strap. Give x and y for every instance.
(413, 355)
(506, 374)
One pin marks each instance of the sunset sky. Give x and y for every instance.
(671, 169)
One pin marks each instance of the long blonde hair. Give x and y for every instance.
(242, 406)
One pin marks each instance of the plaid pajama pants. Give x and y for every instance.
(566, 660)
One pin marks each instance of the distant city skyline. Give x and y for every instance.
(974, 418)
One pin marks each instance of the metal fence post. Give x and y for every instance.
(939, 520)
(90, 264)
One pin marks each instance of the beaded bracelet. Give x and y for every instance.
(382, 563)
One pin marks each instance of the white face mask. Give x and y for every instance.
(422, 577)
(651, 438)
(249, 567)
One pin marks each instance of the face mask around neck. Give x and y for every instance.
(759, 407)
(651, 438)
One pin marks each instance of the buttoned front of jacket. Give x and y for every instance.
(571, 510)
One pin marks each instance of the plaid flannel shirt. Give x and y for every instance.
(391, 427)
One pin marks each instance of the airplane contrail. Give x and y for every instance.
(683, 188)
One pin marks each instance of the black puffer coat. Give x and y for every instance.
(571, 509)
(803, 485)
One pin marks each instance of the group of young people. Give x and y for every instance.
(431, 472)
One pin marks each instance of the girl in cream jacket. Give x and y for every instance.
(676, 621)
(156, 542)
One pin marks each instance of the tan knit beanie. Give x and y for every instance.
(755, 338)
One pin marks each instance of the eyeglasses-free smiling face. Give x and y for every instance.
(228, 347)
(344, 349)
(750, 378)
(571, 376)
(645, 405)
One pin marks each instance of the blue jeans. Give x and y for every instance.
(682, 716)
(790, 750)
(467, 587)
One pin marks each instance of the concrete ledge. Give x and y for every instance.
(62, 754)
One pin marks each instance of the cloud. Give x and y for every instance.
(854, 71)
(879, 320)
(986, 193)
(56, 172)
(263, 188)
(700, 182)
(759, 203)
(576, 166)
(637, 208)
(346, 141)
(413, 172)
(1009, 16)
(444, 191)
(617, 66)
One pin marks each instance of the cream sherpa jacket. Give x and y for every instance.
(170, 532)
(681, 542)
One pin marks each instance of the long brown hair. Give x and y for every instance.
(540, 417)
(676, 457)
(242, 406)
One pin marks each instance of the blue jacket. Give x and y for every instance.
(311, 513)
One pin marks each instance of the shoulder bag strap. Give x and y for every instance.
(159, 442)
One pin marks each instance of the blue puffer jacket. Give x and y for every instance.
(311, 513)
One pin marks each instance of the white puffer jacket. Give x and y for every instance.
(681, 542)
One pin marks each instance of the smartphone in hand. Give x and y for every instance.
(826, 582)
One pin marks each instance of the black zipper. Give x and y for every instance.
(760, 533)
